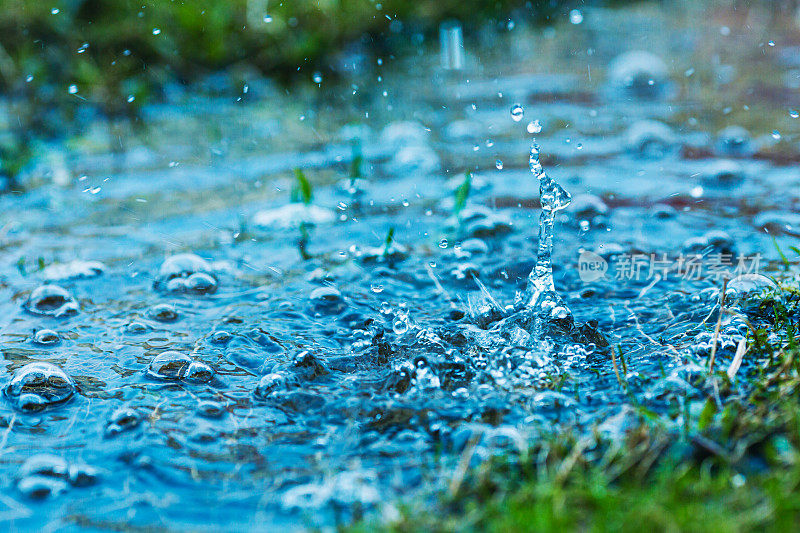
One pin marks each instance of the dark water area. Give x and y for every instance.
(182, 366)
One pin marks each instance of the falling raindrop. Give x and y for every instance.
(516, 112)
(575, 16)
(498, 164)
(534, 127)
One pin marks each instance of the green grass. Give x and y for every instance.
(734, 467)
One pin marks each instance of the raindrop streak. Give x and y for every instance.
(540, 296)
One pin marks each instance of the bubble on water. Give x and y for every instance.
(735, 141)
(39, 385)
(51, 300)
(294, 215)
(210, 409)
(221, 337)
(73, 270)
(274, 382)
(46, 337)
(136, 328)
(186, 273)
(498, 165)
(45, 475)
(177, 366)
(575, 16)
(399, 326)
(650, 138)
(517, 112)
(327, 299)
(122, 420)
(639, 73)
(376, 288)
(534, 126)
(163, 313)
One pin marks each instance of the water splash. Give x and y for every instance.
(541, 297)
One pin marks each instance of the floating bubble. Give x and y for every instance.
(46, 337)
(51, 300)
(73, 270)
(274, 382)
(38, 385)
(186, 273)
(122, 420)
(163, 313)
(177, 366)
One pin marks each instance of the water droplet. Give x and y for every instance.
(498, 164)
(39, 385)
(267, 19)
(516, 112)
(443, 244)
(317, 77)
(575, 16)
(771, 43)
(376, 288)
(55, 11)
(51, 300)
(794, 113)
(29, 78)
(73, 89)
(776, 135)
(156, 31)
(534, 127)
(131, 98)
